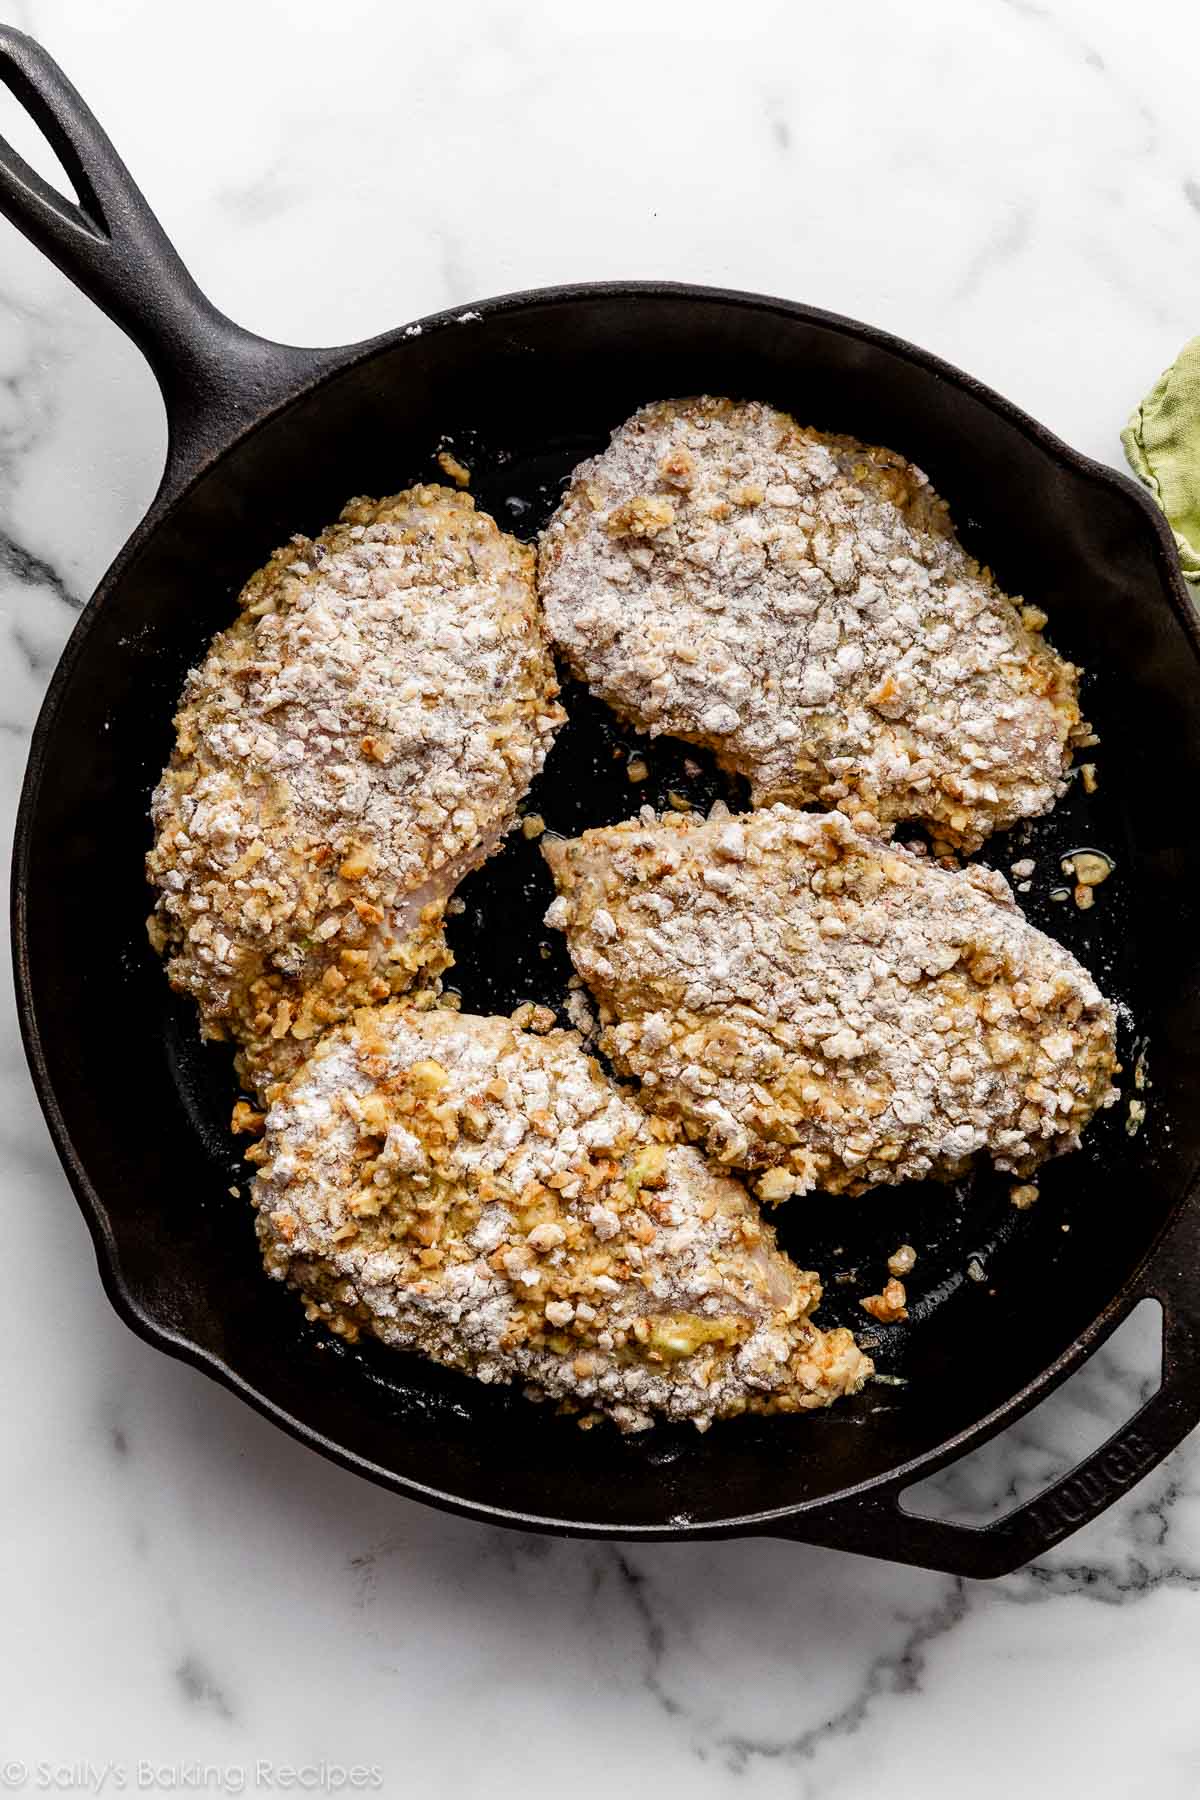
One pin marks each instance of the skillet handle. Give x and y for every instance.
(875, 1524)
(106, 240)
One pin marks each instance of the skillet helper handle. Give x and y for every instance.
(109, 243)
(877, 1525)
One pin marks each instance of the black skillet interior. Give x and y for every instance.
(522, 393)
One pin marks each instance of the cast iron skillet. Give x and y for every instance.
(266, 440)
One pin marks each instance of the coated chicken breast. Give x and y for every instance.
(349, 748)
(452, 1185)
(799, 603)
(826, 1009)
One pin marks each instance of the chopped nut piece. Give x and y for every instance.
(532, 825)
(459, 474)
(750, 493)
(890, 1306)
(546, 1237)
(649, 1167)
(902, 1260)
(1023, 1195)
(1089, 867)
(637, 769)
(1087, 775)
(531, 1017)
(644, 516)
(246, 1118)
(678, 467)
(360, 862)
(775, 1185)
(375, 1113)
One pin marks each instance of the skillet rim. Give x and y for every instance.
(310, 370)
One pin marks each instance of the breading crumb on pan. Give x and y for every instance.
(828, 1009)
(355, 742)
(800, 603)
(455, 1186)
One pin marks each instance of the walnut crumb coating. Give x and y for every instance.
(349, 748)
(799, 602)
(825, 1009)
(452, 1185)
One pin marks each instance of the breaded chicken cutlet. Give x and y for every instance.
(452, 1185)
(799, 603)
(827, 1010)
(349, 748)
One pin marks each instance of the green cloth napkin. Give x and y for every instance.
(1162, 442)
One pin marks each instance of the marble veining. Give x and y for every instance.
(1015, 184)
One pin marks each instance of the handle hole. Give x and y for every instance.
(1012, 1469)
(18, 128)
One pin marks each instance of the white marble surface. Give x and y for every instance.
(1015, 183)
